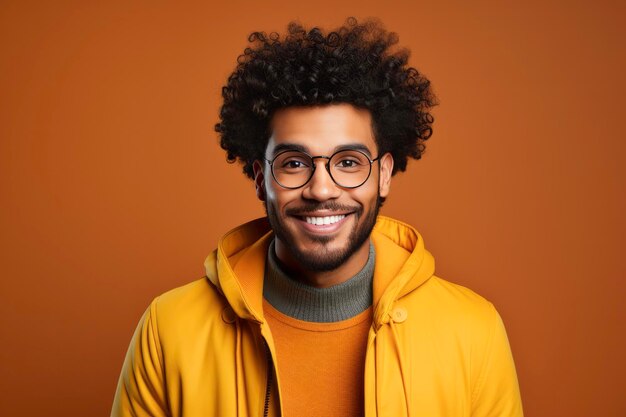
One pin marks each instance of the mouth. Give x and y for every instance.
(324, 220)
(321, 223)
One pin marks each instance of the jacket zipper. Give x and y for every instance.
(268, 387)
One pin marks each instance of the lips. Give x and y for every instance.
(324, 220)
(317, 225)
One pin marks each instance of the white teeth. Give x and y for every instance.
(318, 221)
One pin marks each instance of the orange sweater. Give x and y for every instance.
(320, 365)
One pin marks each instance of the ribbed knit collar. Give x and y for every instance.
(320, 305)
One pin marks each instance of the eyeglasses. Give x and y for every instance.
(347, 168)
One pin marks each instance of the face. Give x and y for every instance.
(321, 226)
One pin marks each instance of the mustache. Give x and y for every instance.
(313, 207)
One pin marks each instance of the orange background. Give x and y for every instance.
(113, 188)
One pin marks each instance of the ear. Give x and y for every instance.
(386, 168)
(259, 179)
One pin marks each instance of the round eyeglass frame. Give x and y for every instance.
(327, 165)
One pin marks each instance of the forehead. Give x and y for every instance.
(322, 129)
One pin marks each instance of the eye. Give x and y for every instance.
(293, 164)
(348, 163)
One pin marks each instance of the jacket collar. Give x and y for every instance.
(237, 266)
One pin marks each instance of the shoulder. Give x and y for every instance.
(187, 308)
(454, 308)
(464, 329)
(193, 294)
(457, 322)
(455, 296)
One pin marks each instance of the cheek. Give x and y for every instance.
(280, 197)
(271, 190)
(366, 194)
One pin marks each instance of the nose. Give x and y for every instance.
(321, 186)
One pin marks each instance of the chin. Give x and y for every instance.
(326, 247)
(322, 259)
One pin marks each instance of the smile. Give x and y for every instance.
(324, 220)
(325, 225)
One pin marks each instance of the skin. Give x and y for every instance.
(320, 131)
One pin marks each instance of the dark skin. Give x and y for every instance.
(321, 130)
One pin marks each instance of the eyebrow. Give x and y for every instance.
(281, 147)
(354, 147)
(297, 147)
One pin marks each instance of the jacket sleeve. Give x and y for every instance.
(141, 389)
(496, 393)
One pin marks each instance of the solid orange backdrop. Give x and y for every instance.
(114, 188)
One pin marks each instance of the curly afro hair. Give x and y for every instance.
(352, 64)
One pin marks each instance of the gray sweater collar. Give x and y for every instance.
(321, 305)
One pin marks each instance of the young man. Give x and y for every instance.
(324, 308)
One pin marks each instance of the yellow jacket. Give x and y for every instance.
(435, 349)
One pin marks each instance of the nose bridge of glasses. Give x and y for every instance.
(326, 164)
(322, 184)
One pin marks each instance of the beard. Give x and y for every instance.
(324, 259)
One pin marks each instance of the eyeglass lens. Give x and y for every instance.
(349, 168)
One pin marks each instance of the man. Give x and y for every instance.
(324, 308)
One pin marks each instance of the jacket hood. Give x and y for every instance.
(237, 266)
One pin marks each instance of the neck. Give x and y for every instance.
(290, 296)
(323, 279)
